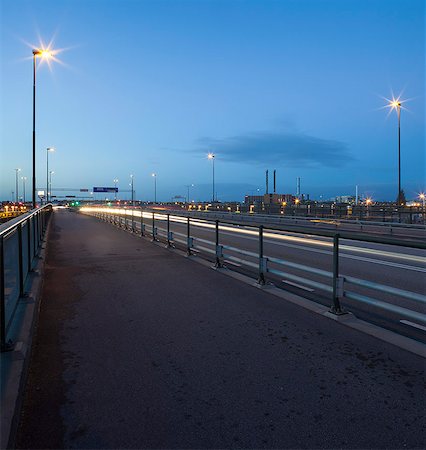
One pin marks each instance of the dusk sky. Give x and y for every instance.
(153, 86)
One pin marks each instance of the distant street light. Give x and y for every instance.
(396, 104)
(48, 150)
(188, 186)
(211, 156)
(422, 198)
(154, 175)
(44, 54)
(49, 192)
(24, 179)
(131, 184)
(115, 186)
(16, 185)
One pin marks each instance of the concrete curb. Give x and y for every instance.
(15, 364)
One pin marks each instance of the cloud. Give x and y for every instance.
(293, 149)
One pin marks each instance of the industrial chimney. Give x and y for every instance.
(267, 181)
(275, 182)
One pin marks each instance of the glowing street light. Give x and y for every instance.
(188, 186)
(49, 192)
(16, 185)
(422, 198)
(154, 175)
(211, 156)
(44, 54)
(24, 179)
(115, 180)
(395, 104)
(131, 184)
(48, 150)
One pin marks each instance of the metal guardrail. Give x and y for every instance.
(335, 284)
(20, 243)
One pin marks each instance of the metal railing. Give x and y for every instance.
(20, 243)
(335, 285)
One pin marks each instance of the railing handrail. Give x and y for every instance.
(20, 219)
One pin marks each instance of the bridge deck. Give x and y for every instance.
(138, 347)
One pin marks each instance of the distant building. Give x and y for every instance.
(270, 199)
(350, 199)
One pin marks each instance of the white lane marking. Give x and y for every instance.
(298, 285)
(414, 325)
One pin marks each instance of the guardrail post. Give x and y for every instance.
(142, 225)
(21, 262)
(262, 260)
(189, 239)
(219, 248)
(336, 308)
(154, 229)
(169, 233)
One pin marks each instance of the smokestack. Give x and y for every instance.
(275, 180)
(267, 181)
(298, 187)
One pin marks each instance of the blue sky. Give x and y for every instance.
(152, 86)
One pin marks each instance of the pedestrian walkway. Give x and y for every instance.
(140, 347)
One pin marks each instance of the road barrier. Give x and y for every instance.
(20, 243)
(335, 285)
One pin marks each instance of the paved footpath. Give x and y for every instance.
(139, 347)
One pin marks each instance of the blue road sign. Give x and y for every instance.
(105, 189)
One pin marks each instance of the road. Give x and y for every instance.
(397, 267)
(138, 347)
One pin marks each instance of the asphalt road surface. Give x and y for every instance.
(138, 347)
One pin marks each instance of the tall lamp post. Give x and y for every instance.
(24, 179)
(16, 185)
(211, 156)
(396, 104)
(115, 180)
(154, 175)
(48, 150)
(45, 54)
(131, 184)
(188, 186)
(50, 183)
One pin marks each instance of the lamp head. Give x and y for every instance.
(210, 156)
(42, 53)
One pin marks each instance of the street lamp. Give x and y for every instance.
(16, 185)
(49, 192)
(48, 150)
(211, 156)
(188, 186)
(115, 180)
(131, 184)
(396, 104)
(44, 54)
(24, 179)
(154, 175)
(422, 198)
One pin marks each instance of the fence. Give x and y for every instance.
(20, 243)
(337, 286)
